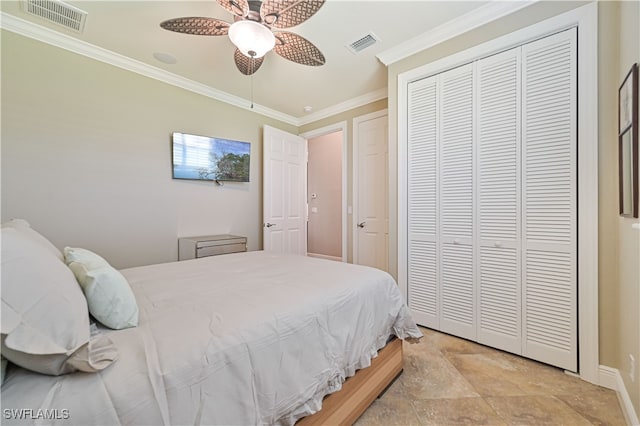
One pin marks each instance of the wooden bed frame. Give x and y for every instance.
(359, 391)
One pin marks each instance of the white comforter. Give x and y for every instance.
(250, 338)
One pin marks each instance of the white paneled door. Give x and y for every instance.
(284, 192)
(371, 195)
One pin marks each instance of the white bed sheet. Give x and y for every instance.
(249, 338)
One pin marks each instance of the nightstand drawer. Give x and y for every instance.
(225, 242)
(210, 245)
(220, 249)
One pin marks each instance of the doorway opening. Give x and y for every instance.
(326, 194)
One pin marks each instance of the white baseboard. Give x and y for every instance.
(324, 256)
(610, 378)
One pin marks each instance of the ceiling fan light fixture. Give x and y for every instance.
(252, 38)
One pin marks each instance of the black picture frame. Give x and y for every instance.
(628, 144)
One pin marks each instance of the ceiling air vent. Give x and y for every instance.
(362, 43)
(57, 12)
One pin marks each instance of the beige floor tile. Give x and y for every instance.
(451, 381)
(490, 374)
(535, 411)
(390, 409)
(396, 389)
(546, 379)
(447, 344)
(429, 376)
(427, 345)
(498, 373)
(461, 411)
(599, 406)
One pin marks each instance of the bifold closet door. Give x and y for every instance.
(549, 126)
(498, 201)
(422, 222)
(440, 274)
(492, 200)
(455, 190)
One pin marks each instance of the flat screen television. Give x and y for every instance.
(206, 158)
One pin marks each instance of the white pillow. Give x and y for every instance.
(25, 229)
(108, 293)
(45, 322)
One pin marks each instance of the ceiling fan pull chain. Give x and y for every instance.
(252, 64)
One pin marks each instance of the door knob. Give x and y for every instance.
(269, 225)
(361, 225)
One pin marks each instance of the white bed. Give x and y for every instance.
(248, 338)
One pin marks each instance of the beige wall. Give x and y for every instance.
(619, 254)
(627, 304)
(347, 116)
(86, 156)
(608, 277)
(325, 181)
(619, 247)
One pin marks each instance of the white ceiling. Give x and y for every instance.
(131, 28)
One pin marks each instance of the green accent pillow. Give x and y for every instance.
(109, 296)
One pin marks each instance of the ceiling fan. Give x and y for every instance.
(253, 30)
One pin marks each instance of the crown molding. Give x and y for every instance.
(356, 102)
(465, 23)
(28, 29)
(37, 32)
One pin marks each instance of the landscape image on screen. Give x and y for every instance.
(206, 158)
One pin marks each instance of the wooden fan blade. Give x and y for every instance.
(298, 49)
(237, 7)
(197, 26)
(245, 64)
(288, 13)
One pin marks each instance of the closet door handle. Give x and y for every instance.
(498, 244)
(361, 224)
(456, 241)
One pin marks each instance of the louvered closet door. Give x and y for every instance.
(422, 222)
(498, 200)
(549, 199)
(457, 295)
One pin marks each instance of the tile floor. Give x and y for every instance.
(451, 381)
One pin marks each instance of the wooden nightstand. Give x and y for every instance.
(211, 245)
